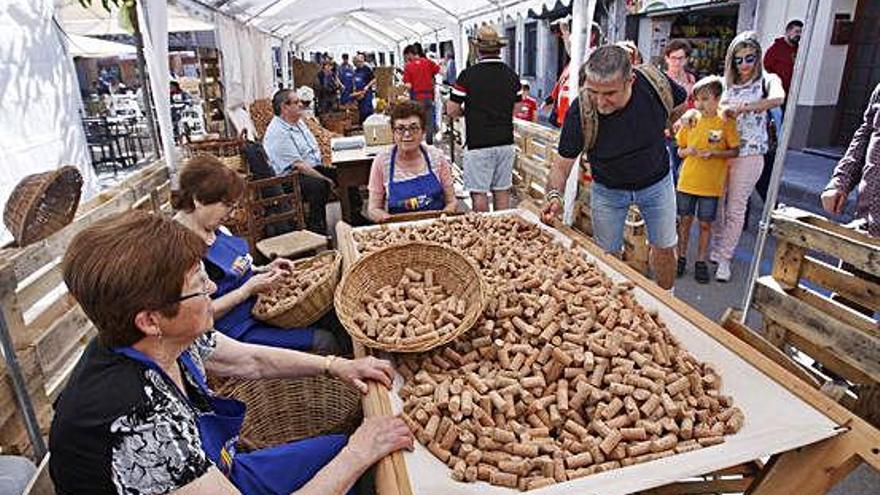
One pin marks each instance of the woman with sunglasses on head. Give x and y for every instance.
(207, 195)
(137, 416)
(749, 93)
(412, 176)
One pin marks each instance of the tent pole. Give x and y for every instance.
(779, 159)
(582, 12)
(22, 396)
(145, 88)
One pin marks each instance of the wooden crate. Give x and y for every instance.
(48, 329)
(801, 306)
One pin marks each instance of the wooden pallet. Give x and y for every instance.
(49, 330)
(535, 152)
(810, 470)
(799, 313)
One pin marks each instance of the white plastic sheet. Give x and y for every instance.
(776, 421)
(39, 125)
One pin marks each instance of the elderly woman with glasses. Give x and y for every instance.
(749, 93)
(208, 193)
(412, 176)
(137, 415)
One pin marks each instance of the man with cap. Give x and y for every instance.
(485, 93)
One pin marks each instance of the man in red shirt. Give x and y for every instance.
(418, 76)
(527, 107)
(779, 58)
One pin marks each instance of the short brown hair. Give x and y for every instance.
(206, 179)
(676, 45)
(406, 109)
(713, 85)
(128, 263)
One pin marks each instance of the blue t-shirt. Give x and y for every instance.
(630, 151)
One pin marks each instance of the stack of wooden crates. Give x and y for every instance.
(49, 330)
(808, 305)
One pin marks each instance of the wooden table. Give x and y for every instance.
(809, 470)
(353, 170)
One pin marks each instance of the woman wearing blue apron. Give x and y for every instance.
(136, 415)
(208, 189)
(412, 176)
(363, 87)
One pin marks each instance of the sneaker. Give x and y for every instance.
(722, 274)
(714, 258)
(701, 272)
(682, 266)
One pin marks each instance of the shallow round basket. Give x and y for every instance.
(285, 410)
(42, 204)
(458, 275)
(312, 304)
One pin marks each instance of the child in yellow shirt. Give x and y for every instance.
(705, 147)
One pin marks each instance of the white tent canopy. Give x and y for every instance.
(315, 25)
(88, 47)
(96, 21)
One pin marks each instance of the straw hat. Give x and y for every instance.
(305, 93)
(488, 38)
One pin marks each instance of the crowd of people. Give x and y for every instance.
(675, 146)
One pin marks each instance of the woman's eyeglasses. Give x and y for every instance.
(205, 283)
(403, 129)
(748, 59)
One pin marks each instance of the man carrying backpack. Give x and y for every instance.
(618, 121)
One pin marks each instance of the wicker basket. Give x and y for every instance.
(312, 304)
(452, 270)
(42, 204)
(285, 410)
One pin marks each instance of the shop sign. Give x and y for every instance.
(652, 5)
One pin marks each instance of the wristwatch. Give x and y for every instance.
(552, 194)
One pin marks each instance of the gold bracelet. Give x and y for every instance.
(328, 361)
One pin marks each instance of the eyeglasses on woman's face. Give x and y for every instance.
(207, 286)
(403, 129)
(750, 59)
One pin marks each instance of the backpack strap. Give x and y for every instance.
(589, 118)
(660, 83)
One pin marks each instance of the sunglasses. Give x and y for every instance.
(403, 129)
(749, 59)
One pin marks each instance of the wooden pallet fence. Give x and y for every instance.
(49, 330)
(808, 304)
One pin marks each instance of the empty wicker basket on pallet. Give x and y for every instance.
(286, 410)
(42, 204)
(458, 276)
(312, 304)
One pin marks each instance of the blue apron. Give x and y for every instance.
(361, 79)
(346, 77)
(422, 193)
(230, 254)
(278, 470)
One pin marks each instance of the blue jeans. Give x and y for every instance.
(656, 204)
(704, 207)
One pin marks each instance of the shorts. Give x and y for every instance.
(656, 203)
(489, 169)
(705, 207)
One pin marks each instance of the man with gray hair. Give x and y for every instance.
(618, 122)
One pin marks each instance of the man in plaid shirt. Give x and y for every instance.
(860, 167)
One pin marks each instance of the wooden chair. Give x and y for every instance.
(273, 202)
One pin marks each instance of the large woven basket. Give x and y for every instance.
(452, 270)
(312, 304)
(285, 410)
(42, 204)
